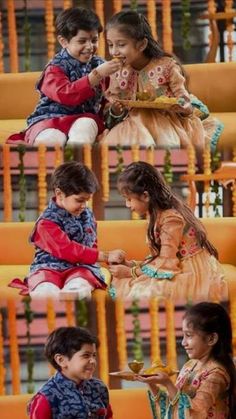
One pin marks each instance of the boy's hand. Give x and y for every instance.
(120, 271)
(109, 67)
(116, 256)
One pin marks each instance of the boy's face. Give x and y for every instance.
(74, 204)
(82, 46)
(82, 364)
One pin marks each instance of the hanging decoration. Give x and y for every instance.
(167, 168)
(1, 46)
(155, 326)
(171, 356)
(2, 363)
(99, 9)
(150, 155)
(120, 333)
(100, 298)
(29, 316)
(22, 183)
(185, 23)
(70, 318)
(50, 29)
(116, 6)
(120, 159)
(105, 171)
(151, 16)
(58, 155)
(7, 188)
(167, 26)
(134, 5)
(137, 337)
(81, 313)
(14, 350)
(207, 171)
(13, 46)
(51, 322)
(27, 33)
(67, 4)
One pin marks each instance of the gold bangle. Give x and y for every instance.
(134, 263)
(134, 273)
(175, 399)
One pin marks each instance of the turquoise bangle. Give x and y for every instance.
(155, 274)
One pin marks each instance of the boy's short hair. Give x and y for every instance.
(67, 341)
(74, 177)
(71, 20)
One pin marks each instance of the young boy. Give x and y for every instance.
(70, 86)
(65, 239)
(71, 392)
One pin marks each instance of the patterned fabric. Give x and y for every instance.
(68, 400)
(81, 229)
(165, 128)
(184, 269)
(74, 70)
(203, 394)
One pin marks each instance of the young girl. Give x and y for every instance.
(183, 263)
(65, 239)
(72, 392)
(147, 73)
(70, 86)
(206, 385)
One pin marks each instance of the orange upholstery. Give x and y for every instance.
(16, 253)
(213, 83)
(126, 404)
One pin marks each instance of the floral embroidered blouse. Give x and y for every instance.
(203, 394)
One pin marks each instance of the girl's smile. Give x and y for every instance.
(130, 50)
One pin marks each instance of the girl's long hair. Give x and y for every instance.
(139, 177)
(212, 318)
(135, 26)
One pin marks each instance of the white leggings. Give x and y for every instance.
(82, 131)
(45, 289)
(50, 137)
(80, 287)
(75, 288)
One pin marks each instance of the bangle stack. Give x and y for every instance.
(116, 116)
(175, 399)
(133, 272)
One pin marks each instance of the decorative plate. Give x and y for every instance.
(162, 102)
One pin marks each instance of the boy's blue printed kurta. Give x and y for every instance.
(74, 70)
(81, 229)
(69, 400)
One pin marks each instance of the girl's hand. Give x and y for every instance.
(120, 271)
(109, 67)
(116, 256)
(160, 378)
(117, 108)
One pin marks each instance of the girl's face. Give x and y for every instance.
(82, 46)
(81, 365)
(137, 203)
(197, 344)
(130, 50)
(74, 204)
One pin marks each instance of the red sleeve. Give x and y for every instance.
(49, 237)
(40, 408)
(109, 414)
(57, 86)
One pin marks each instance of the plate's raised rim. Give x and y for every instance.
(150, 104)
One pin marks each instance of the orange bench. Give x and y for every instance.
(214, 84)
(16, 253)
(126, 404)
